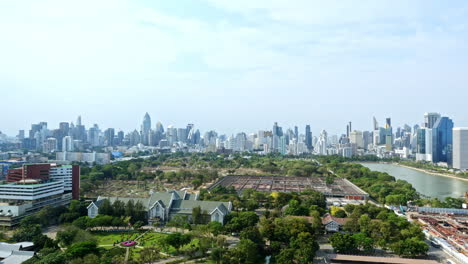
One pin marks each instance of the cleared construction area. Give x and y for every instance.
(339, 188)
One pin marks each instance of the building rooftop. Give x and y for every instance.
(386, 260)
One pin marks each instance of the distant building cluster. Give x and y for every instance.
(435, 140)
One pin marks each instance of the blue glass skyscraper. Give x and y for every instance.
(442, 140)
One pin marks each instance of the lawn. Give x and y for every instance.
(109, 238)
(150, 239)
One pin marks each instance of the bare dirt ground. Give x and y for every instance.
(126, 188)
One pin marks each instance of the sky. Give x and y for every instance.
(232, 65)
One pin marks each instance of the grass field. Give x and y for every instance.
(150, 239)
(109, 238)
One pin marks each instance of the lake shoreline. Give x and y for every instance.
(430, 184)
(431, 172)
(418, 169)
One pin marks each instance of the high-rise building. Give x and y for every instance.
(50, 145)
(425, 143)
(322, 143)
(93, 135)
(159, 127)
(109, 135)
(21, 135)
(442, 140)
(388, 135)
(356, 137)
(367, 139)
(67, 144)
(350, 129)
(308, 137)
(79, 131)
(430, 119)
(376, 125)
(182, 134)
(78, 121)
(460, 148)
(145, 129)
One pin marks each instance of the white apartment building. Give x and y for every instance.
(460, 148)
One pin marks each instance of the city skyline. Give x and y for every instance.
(286, 125)
(247, 64)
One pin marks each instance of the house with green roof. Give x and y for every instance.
(163, 206)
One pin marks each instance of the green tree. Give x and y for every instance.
(410, 247)
(149, 255)
(130, 208)
(118, 208)
(251, 233)
(295, 208)
(215, 227)
(286, 256)
(81, 249)
(363, 242)
(105, 208)
(343, 243)
(305, 247)
(81, 222)
(245, 252)
(217, 255)
(340, 214)
(177, 240)
(197, 215)
(27, 232)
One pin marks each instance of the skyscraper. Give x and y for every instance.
(460, 148)
(442, 140)
(67, 144)
(388, 135)
(356, 137)
(78, 121)
(308, 137)
(109, 135)
(376, 125)
(145, 128)
(159, 127)
(430, 119)
(321, 146)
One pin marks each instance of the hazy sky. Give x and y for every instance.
(232, 65)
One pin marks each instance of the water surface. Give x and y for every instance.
(425, 183)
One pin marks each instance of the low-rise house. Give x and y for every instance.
(163, 206)
(333, 224)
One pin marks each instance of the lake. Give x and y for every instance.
(425, 183)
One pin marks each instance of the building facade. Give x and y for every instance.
(163, 206)
(460, 148)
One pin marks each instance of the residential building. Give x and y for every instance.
(460, 148)
(91, 157)
(356, 137)
(333, 224)
(67, 143)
